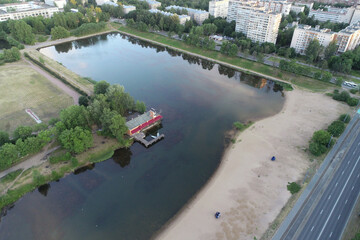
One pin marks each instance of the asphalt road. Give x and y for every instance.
(325, 214)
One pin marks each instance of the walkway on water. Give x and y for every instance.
(140, 137)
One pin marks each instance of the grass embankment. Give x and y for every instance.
(73, 79)
(240, 63)
(21, 87)
(61, 165)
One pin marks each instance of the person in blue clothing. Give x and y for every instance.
(217, 214)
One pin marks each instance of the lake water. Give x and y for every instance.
(132, 195)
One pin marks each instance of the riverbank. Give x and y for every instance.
(249, 189)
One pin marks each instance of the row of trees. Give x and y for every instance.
(322, 139)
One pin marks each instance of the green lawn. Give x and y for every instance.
(22, 87)
(274, 59)
(301, 81)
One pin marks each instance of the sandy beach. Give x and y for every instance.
(248, 189)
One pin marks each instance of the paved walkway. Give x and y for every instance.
(67, 89)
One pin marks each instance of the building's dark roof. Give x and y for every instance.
(135, 122)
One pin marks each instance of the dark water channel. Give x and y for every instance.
(133, 194)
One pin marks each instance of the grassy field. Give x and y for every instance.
(300, 81)
(22, 87)
(73, 78)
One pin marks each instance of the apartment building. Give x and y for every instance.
(219, 8)
(197, 15)
(182, 18)
(339, 15)
(56, 3)
(153, 4)
(128, 8)
(347, 2)
(347, 39)
(277, 6)
(356, 16)
(17, 11)
(258, 24)
(297, 9)
(304, 34)
(305, 4)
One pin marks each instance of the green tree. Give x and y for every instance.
(4, 138)
(345, 118)
(119, 100)
(101, 87)
(11, 55)
(83, 101)
(118, 127)
(97, 107)
(330, 50)
(76, 140)
(316, 149)
(74, 116)
(321, 137)
(313, 51)
(59, 32)
(336, 128)
(21, 31)
(8, 155)
(293, 187)
(209, 29)
(22, 132)
(140, 106)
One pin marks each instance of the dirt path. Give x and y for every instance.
(68, 90)
(31, 162)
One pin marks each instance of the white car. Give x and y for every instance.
(350, 84)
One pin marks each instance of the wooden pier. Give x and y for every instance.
(140, 137)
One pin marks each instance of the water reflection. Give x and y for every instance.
(84, 169)
(43, 189)
(122, 157)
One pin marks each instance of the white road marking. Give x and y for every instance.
(329, 197)
(342, 173)
(312, 229)
(346, 201)
(348, 161)
(337, 200)
(339, 216)
(354, 152)
(330, 234)
(358, 143)
(321, 211)
(336, 184)
(358, 175)
(352, 188)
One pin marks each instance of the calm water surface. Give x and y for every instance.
(133, 194)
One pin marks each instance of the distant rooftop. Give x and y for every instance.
(188, 9)
(22, 7)
(316, 29)
(128, 6)
(167, 13)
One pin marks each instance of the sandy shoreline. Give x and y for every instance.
(249, 189)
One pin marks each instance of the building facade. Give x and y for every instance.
(199, 16)
(297, 9)
(153, 4)
(277, 6)
(16, 11)
(258, 24)
(356, 16)
(219, 8)
(346, 39)
(337, 15)
(182, 18)
(128, 8)
(56, 3)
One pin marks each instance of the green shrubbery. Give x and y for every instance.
(293, 187)
(344, 96)
(296, 68)
(345, 118)
(89, 28)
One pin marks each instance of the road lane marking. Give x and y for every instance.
(358, 175)
(352, 188)
(337, 200)
(339, 216)
(312, 229)
(321, 211)
(330, 234)
(346, 201)
(354, 152)
(329, 197)
(342, 173)
(348, 161)
(336, 184)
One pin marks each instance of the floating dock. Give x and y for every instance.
(140, 137)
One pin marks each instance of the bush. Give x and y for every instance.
(343, 96)
(321, 137)
(293, 187)
(89, 28)
(83, 101)
(61, 158)
(59, 32)
(239, 126)
(353, 91)
(38, 178)
(316, 149)
(336, 128)
(11, 55)
(345, 118)
(352, 102)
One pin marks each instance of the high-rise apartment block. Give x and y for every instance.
(339, 15)
(219, 8)
(197, 15)
(347, 39)
(257, 24)
(182, 18)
